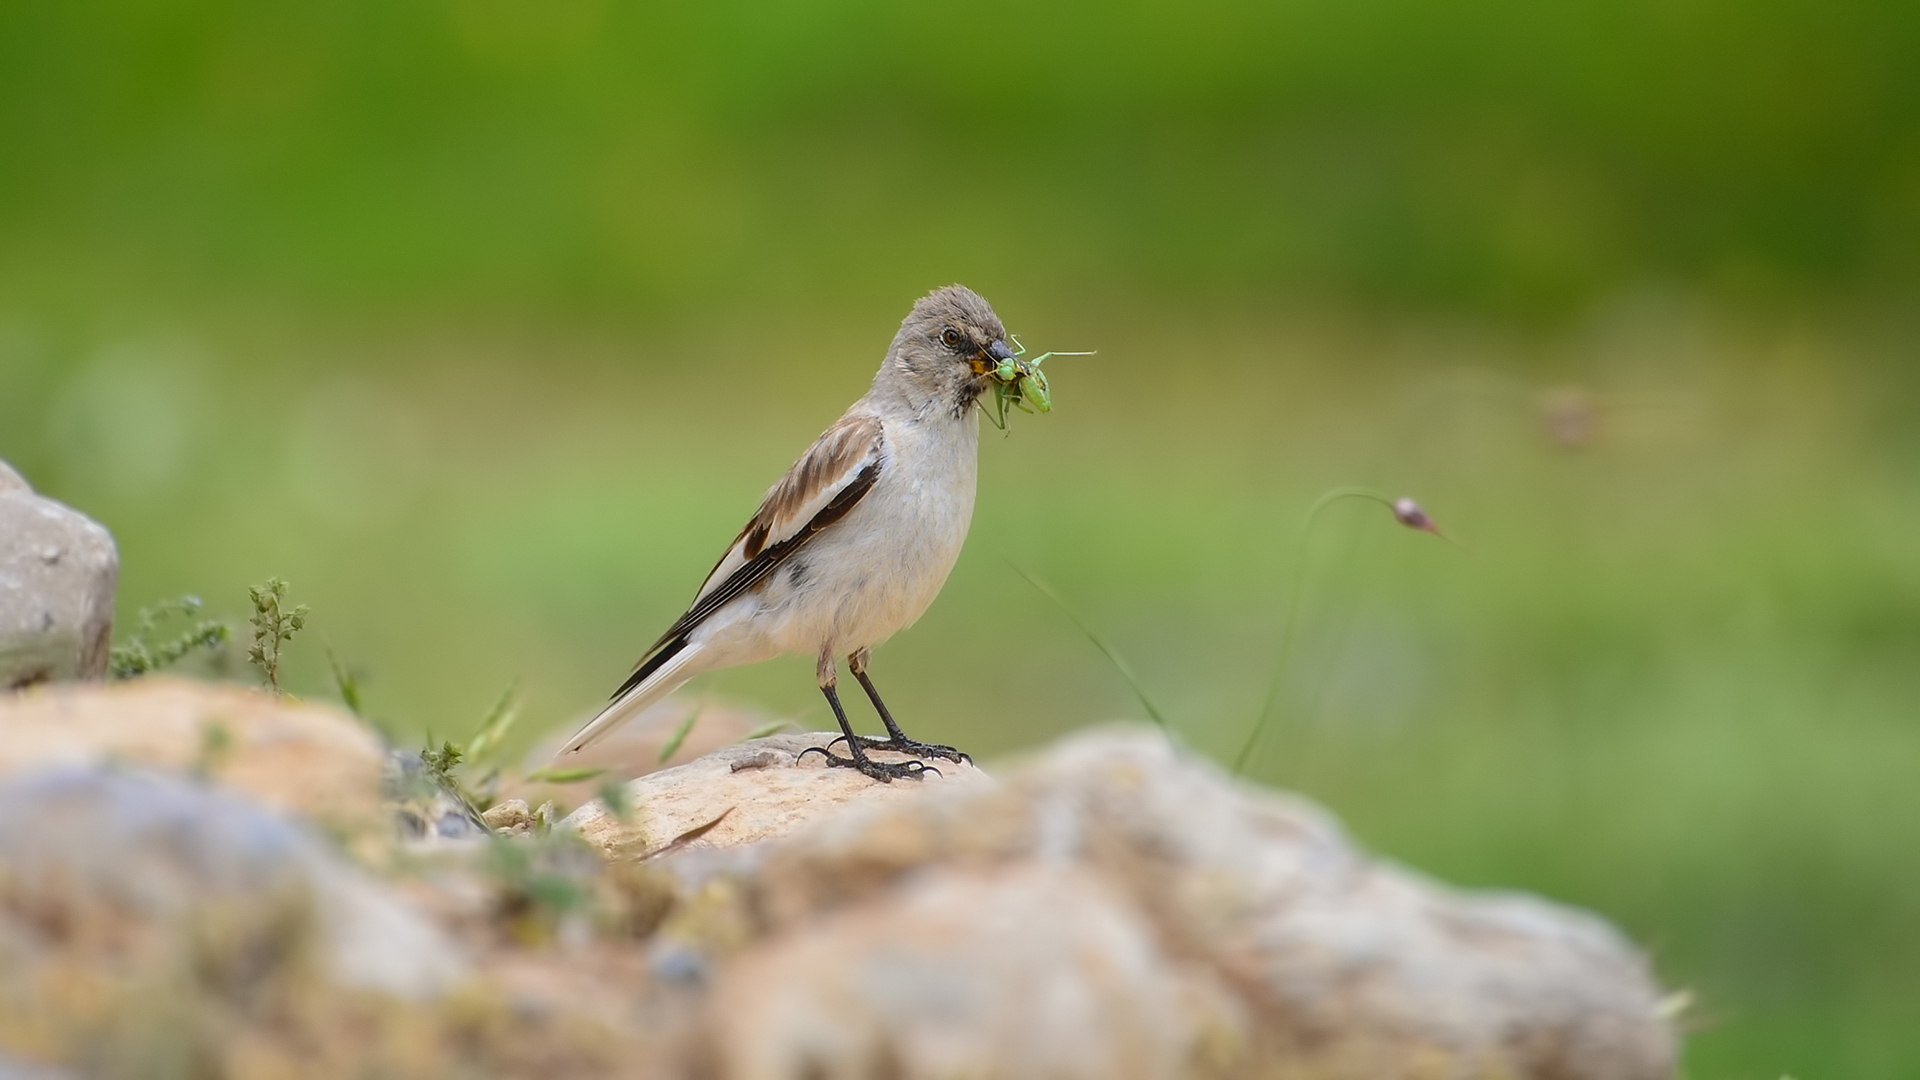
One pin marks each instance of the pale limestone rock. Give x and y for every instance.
(511, 816)
(58, 573)
(1026, 971)
(308, 759)
(764, 788)
(1341, 965)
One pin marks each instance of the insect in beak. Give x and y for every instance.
(1017, 381)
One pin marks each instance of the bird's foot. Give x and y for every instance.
(913, 747)
(884, 771)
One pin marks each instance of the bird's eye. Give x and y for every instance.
(951, 337)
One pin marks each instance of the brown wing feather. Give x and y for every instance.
(828, 461)
(833, 460)
(833, 475)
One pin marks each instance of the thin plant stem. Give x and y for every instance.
(1291, 623)
(1119, 664)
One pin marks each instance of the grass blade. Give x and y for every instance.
(680, 734)
(348, 684)
(562, 776)
(493, 730)
(1113, 656)
(767, 729)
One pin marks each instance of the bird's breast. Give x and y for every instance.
(908, 532)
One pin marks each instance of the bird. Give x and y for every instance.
(855, 541)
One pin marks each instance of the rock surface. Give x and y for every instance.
(58, 573)
(634, 748)
(1028, 971)
(1112, 907)
(1201, 928)
(757, 790)
(312, 760)
(154, 926)
(184, 863)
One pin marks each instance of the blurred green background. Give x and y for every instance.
(486, 323)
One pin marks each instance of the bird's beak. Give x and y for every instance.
(993, 360)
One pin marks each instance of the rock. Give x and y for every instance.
(511, 816)
(129, 867)
(1199, 927)
(312, 760)
(1026, 971)
(151, 925)
(1113, 907)
(10, 1068)
(633, 749)
(58, 572)
(762, 787)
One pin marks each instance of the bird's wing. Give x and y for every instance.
(833, 475)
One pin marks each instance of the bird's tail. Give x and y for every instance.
(662, 674)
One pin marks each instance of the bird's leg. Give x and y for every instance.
(899, 741)
(883, 771)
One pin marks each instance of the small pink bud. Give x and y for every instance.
(1409, 513)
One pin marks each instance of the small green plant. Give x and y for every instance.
(137, 655)
(442, 766)
(273, 626)
(441, 763)
(439, 769)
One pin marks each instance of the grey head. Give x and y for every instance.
(944, 354)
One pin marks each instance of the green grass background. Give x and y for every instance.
(485, 323)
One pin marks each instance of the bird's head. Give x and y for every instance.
(951, 348)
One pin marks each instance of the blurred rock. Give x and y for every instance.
(58, 572)
(10, 1068)
(1196, 927)
(763, 787)
(1114, 907)
(208, 870)
(512, 817)
(154, 926)
(313, 760)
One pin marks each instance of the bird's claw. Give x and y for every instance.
(913, 747)
(884, 771)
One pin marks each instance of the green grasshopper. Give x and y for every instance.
(1018, 382)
